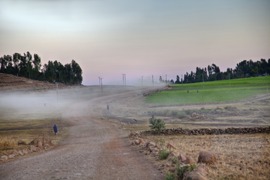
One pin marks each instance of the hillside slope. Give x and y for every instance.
(11, 82)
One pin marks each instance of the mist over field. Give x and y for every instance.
(64, 103)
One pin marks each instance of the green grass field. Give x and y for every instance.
(212, 92)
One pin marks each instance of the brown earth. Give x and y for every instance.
(9, 82)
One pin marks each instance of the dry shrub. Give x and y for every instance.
(7, 143)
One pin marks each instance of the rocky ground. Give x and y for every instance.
(230, 156)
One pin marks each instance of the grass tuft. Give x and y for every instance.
(163, 154)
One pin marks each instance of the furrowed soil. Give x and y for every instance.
(97, 145)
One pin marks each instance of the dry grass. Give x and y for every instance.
(240, 156)
(7, 143)
(26, 130)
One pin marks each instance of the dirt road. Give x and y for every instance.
(95, 149)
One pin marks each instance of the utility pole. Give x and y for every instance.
(100, 83)
(182, 80)
(166, 79)
(124, 79)
(153, 80)
(142, 81)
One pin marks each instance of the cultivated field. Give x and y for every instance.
(212, 92)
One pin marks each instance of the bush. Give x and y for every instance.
(180, 171)
(170, 176)
(163, 154)
(156, 124)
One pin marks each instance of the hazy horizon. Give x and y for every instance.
(137, 38)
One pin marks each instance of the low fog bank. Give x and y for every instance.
(67, 103)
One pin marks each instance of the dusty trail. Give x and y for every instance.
(95, 149)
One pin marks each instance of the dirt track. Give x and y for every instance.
(96, 148)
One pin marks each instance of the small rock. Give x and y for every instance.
(39, 144)
(134, 134)
(147, 153)
(137, 141)
(182, 158)
(193, 175)
(201, 170)
(167, 165)
(34, 142)
(197, 174)
(16, 152)
(20, 153)
(21, 142)
(207, 157)
(185, 159)
(33, 148)
(4, 158)
(152, 149)
(152, 144)
(11, 156)
(25, 151)
(189, 160)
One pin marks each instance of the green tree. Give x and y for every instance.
(3, 64)
(177, 80)
(76, 72)
(16, 61)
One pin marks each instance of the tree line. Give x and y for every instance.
(212, 72)
(28, 65)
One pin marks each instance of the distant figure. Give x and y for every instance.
(108, 107)
(55, 129)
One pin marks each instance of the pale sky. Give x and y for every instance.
(137, 37)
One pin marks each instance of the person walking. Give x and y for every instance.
(55, 129)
